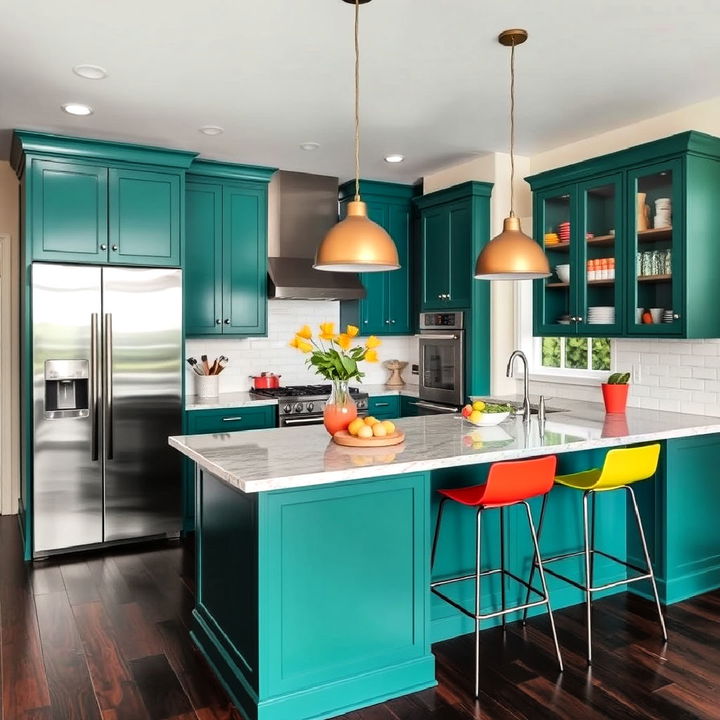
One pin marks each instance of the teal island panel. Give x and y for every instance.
(325, 607)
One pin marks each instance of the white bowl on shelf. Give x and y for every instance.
(563, 272)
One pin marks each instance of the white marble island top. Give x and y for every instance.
(262, 460)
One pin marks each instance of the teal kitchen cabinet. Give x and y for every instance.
(90, 201)
(226, 250)
(68, 212)
(144, 217)
(666, 262)
(387, 308)
(454, 226)
(408, 406)
(384, 407)
(217, 421)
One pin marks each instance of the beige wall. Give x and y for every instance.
(9, 344)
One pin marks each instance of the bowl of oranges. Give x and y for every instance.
(369, 432)
(484, 414)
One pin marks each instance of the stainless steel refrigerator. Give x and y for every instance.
(107, 385)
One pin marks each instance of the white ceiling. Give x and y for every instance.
(275, 73)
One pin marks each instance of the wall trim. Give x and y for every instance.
(8, 491)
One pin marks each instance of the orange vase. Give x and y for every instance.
(340, 409)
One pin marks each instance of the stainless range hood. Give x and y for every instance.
(302, 208)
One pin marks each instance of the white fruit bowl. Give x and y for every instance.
(489, 419)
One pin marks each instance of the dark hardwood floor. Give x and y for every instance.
(106, 636)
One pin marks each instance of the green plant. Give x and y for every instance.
(619, 378)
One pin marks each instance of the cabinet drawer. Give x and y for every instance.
(409, 409)
(385, 407)
(230, 419)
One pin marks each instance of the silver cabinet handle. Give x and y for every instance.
(94, 389)
(573, 318)
(115, 247)
(103, 246)
(383, 404)
(436, 336)
(232, 419)
(218, 321)
(392, 322)
(365, 321)
(387, 322)
(303, 421)
(676, 316)
(227, 321)
(108, 393)
(579, 318)
(430, 406)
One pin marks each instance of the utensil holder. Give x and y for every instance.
(207, 386)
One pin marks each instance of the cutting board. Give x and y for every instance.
(343, 437)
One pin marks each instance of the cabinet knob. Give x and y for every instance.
(365, 322)
(227, 321)
(573, 318)
(676, 316)
(387, 322)
(218, 321)
(579, 318)
(392, 322)
(103, 247)
(114, 247)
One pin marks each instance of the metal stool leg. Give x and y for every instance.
(592, 539)
(535, 557)
(437, 533)
(503, 599)
(544, 584)
(647, 560)
(478, 568)
(588, 585)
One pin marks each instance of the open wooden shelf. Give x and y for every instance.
(654, 278)
(643, 236)
(605, 283)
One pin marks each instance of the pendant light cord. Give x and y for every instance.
(512, 129)
(357, 100)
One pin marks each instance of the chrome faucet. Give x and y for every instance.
(526, 381)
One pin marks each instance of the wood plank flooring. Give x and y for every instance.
(104, 636)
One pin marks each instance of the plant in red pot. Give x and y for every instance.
(615, 392)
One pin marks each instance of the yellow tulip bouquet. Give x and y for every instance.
(338, 359)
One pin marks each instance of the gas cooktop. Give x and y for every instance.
(299, 391)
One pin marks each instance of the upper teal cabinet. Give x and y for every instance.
(90, 201)
(387, 308)
(453, 226)
(226, 250)
(68, 212)
(144, 217)
(631, 242)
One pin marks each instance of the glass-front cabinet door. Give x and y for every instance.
(555, 297)
(655, 260)
(598, 259)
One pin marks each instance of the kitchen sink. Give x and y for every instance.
(518, 405)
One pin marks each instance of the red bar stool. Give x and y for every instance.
(508, 483)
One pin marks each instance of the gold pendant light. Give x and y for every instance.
(357, 244)
(512, 255)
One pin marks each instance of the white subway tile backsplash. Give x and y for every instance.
(677, 375)
(253, 355)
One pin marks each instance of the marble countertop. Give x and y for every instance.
(262, 460)
(243, 399)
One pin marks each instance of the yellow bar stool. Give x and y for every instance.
(621, 468)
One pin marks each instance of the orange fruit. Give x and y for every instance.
(355, 425)
(365, 432)
(378, 430)
(370, 420)
(389, 426)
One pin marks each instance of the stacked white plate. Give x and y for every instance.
(668, 316)
(601, 315)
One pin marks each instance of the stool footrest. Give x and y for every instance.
(597, 588)
(579, 553)
(497, 613)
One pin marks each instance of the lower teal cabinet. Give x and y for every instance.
(408, 406)
(387, 308)
(226, 250)
(385, 407)
(144, 217)
(216, 421)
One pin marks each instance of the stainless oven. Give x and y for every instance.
(442, 360)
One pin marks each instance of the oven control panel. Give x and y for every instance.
(441, 321)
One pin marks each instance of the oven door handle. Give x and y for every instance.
(437, 337)
(430, 406)
(303, 421)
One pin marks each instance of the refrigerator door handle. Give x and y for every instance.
(108, 389)
(94, 384)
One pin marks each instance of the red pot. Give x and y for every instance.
(615, 397)
(265, 381)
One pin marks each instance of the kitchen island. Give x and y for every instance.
(313, 559)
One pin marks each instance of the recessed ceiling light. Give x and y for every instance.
(211, 130)
(77, 109)
(309, 146)
(395, 158)
(90, 72)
